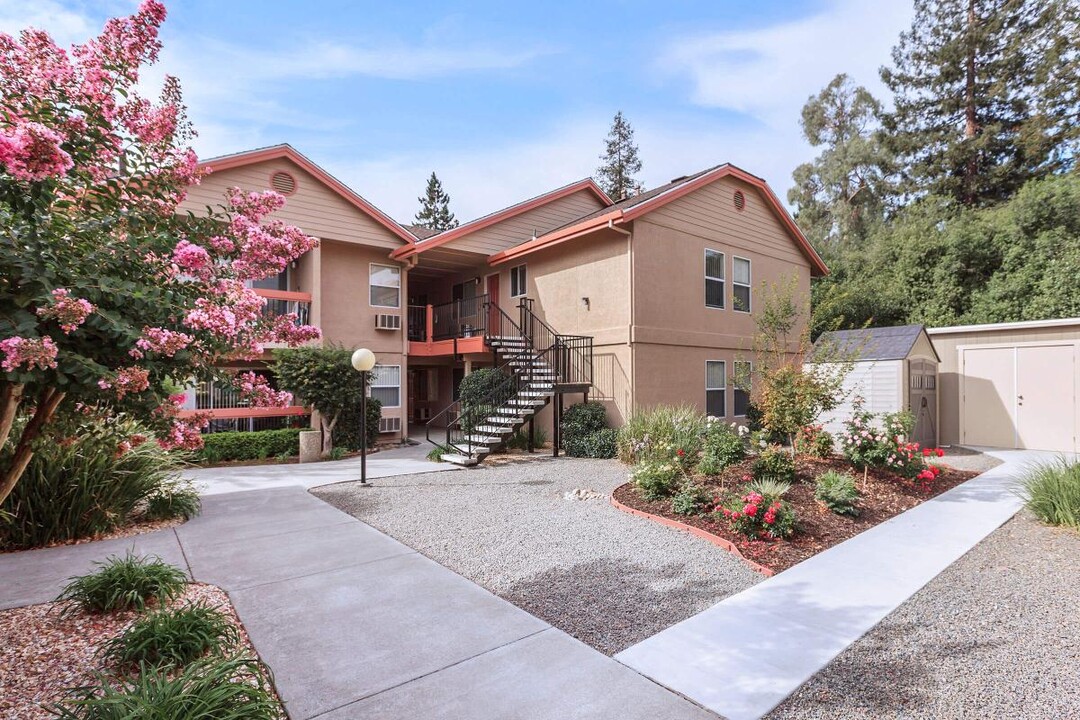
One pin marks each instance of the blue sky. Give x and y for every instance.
(503, 100)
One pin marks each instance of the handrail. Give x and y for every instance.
(573, 357)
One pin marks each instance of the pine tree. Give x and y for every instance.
(985, 96)
(620, 160)
(435, 207)
(842, 193)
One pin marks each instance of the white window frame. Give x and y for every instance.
(524, 289)
(371, 284)
(374, 383)
(735, 388)
(721, 279)
(722, 389)
(747, 285)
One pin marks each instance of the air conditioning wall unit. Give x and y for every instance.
(389, 424)
(385, 321)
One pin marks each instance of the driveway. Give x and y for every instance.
(406, 460)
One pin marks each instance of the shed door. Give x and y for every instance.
(922, 400)
(988, 397)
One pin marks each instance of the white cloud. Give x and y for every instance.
(66, 26)
(769, 72)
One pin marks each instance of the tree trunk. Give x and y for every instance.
(971, 122)
(328, 433)
(10, 397)
(46, 407)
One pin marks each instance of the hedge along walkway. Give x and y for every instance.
(406, 460)
(743, 656)
(357, 625)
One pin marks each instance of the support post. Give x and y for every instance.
(532, 419)
(363, 429)
(558, 424)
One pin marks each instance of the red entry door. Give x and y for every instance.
(493, 298)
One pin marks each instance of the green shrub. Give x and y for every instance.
(436, 453)
(257, 445)
(753, 515)
(837, 491)
(723, 446)
(173, 636)
(1052, 492)
(774, 463)
(87, 477)
(690, 500)
(346, 433)
(175, 499)
(475, 387)
(520, 439)
(770, 487)
(656, 479)
(124, 583)
(236, 688)
(601, 444)
(814, 440)
(664, 432)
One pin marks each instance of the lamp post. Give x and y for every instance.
(363, 360)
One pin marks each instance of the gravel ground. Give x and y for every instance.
(606, 577)
(997, 635)
(962, 458)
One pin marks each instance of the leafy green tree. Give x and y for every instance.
(324, 379)
(985, 97)
(841, 194)
(620, 160)
(435, 207)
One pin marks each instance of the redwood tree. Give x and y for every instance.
(107, 294)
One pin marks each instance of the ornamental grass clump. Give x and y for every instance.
(235, 688)
(757, 516)
(131, 582)
(664, 432)
(172, 636)
(1052, 492)
(837, 492)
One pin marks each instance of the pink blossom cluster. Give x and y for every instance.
(31, 152)
(192, 259)
(160, 340)
(30, 352)
(70, 312)
(128, 380)
(185, 433)
(260, 248)
(255, 390)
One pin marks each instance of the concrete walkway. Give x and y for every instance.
(407, 460)
(356, 625)
(743, 656)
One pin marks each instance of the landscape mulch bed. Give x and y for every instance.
(130, 529)
(44, 652)
(884, 495)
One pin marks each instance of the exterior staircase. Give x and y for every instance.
(534, 367)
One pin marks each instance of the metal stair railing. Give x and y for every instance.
(572, 355)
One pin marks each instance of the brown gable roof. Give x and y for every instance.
(421, 232)
(636, 206)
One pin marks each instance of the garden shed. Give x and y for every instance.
(894, 369)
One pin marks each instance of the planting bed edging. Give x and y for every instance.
(697, 532)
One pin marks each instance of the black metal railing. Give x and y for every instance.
(460, 318)
(417, 317)
(276, 307)
(572, 355)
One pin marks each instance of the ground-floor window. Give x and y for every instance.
(715, 387)
(386, 385)
(743, 371)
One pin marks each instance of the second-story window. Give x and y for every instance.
(714, 279)
(385, 286)
(517, 281)
(740, 284)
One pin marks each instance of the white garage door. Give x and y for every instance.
(1022, 396)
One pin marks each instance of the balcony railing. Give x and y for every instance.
(281, 302)
(456, 319)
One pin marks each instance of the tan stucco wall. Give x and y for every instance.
(947, 342)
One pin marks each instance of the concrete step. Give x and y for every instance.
(494, 429)
(462, 460)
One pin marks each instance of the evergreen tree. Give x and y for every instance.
(985, 96)
(841, 194)
(435, 207)
(620, 160)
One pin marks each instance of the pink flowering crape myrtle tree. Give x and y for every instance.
(108, 295)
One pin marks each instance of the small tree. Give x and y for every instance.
(789, 394)
(620, 160)
(324, 379)
(435, 207)
(109, 296)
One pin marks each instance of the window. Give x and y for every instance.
(517, 281)
(274, 282)
(386, 385)
(743, 383)
(385, 286)
(715, 387)
(714, 279)
(740, 282)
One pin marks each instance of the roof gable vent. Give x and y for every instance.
(739, 200)
(283, 182)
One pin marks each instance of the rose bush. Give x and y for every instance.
(755, 515)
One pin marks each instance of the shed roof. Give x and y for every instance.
(883, 343)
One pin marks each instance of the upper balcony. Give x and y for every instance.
(283, 302)
(453, 328)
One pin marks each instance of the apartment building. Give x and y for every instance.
(638, 302)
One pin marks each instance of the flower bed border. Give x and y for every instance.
(697, 532)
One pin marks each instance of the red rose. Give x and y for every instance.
(735, 515)
(940, 452)
(680, 452)
(769, 518)
(926, 452)
(750, 510)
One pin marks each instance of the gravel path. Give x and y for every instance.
(997, 635)
(605, 577)
(962, 458)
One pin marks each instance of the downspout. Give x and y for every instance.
(630, 328)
